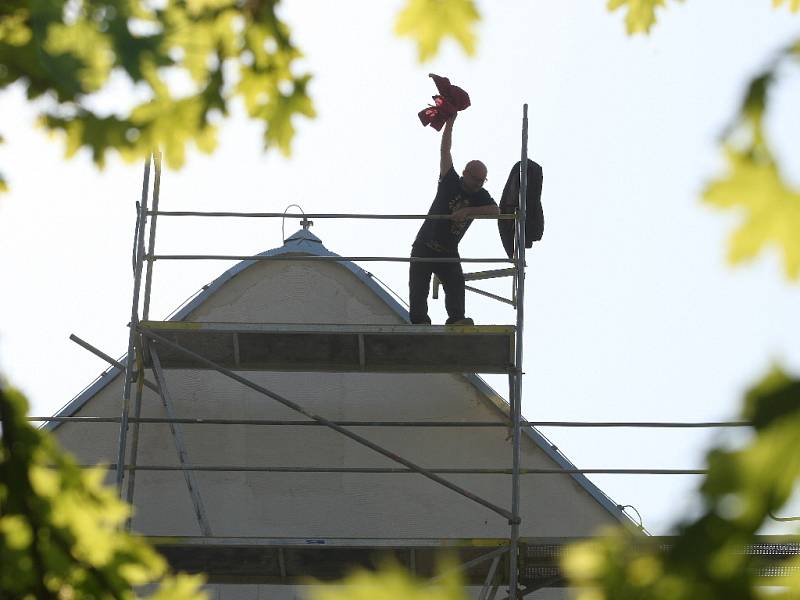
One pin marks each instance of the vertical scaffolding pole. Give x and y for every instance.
(137, 413)
(137, 406)
(130, 363)
(515, 393)
(151, 244)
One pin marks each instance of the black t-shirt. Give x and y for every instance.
(443, 235)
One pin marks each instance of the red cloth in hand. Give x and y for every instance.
(449, 101)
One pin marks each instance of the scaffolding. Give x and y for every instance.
(231, 349)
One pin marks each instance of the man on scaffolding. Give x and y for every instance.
(460, 198)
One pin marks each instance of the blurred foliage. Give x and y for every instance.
(429, 22)
(742, 488)
(77, 56)
(754, 184)
(641, 14)
(394, 582)
(771, 209)
(3, 184)
(67, 53)
(61, 534)
(793, 5)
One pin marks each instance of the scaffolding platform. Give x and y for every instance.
(337, 348)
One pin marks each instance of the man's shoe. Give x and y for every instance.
(464, 321)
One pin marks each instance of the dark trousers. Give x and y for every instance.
(419, 285)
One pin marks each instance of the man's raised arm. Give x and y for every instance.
(447, 143)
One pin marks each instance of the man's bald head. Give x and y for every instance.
(474, 175)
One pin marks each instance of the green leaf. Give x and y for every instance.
(181, 587)
(770, 209)
(392, 582)
(706, 561)
(153, 44)
(60, 529)
(197, 7)
(774, 397)
(14, 29)
(97, 134)
(429, 22)
(264, 100)
(170, 125)
(86, 43)
(3, 184)
(794, 5)
(754, 185)
(15, 532)
(641, 14)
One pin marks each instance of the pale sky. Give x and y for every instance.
(632, 312)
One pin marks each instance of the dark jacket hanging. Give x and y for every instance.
(534, 215)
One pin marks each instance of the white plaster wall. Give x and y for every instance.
(294, 292)
(327, 505)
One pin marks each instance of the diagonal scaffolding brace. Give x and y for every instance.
(489, 583)
(171, 420)
(494, 555)
(180, 445)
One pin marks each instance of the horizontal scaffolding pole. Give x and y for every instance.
(200, 213)
(314, 258)
(542, 548)
(491, 274)
(269, 422)
(403, 471)
(489, 295)
(642, 424)
(579, 424)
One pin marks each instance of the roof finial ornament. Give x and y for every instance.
(304, 222)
